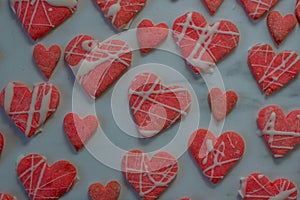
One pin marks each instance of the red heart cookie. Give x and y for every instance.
(29, 109)
(280, 26)
(282, 133)
(202, 44)
(155, 107)
(272, 71)
(259, 187)
(298, 10)
(213, 5)
(110, 192)
(150, 35)
(6, 197)
(45, 182)
(149, 178)
(46, 60)
(216, 156)
(221, 103)
(257, 8)
(38, 17)
(79, 130)
(97, 65)
(120, 12)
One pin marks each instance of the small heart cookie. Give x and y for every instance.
(79, 130)
(258, 187)
(216, 155)
(213, 5)
(221, 103)
(109, 192)
(149, 178)
(46, 59)
(280, 26)
(150, 35)
(42, 181)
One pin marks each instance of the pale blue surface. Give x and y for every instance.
(16, 65)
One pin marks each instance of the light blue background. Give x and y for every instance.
(16, 64)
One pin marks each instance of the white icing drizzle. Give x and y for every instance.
(201, 56)
(284, 191)
(98, 56)
(141, 168)
(262, 6)
(157, 113)
(289, 59)
(113, 10)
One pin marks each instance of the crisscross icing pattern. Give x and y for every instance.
(155, 107)
(29, 109)
(282, 133)
(272, 71)
(257, 8)
(149, 178)
(97, 65)
(44, 182)
(203, 45)
(120, 12)
(258, 187)
(216, 156)
(38, 17)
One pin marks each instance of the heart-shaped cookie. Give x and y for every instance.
(109, 192)
(79, 130)
(45, 182)
(203, 44)
(149, 178)
(216, 155)
(272, 71)
(46, 59)
(257, 8)
(281, 132)
(280, 26)
(97, 65)
(29, 108)
(120, 12)
(38, 17)
(155, 107)
(213, 5)
(150, 35)
(221, 103)
(258, 187)
(298, 10)
(6, 197)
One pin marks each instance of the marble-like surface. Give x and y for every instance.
(16, 64)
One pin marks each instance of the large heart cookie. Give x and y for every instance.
(109, 192)
(216, 156)
(272, 71)
(155, 107)
(258, 187)
(281, 132)
(221, 103)
(79, 130)
(97, 65)
(257, 8)
(203, 44)
(45, 182)
(29, 108)
(38, 17)
(120, 12)
(149, 178)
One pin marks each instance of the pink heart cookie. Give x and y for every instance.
(149, 178)
(97, 65)
(203, 44)
(272, 71)
(79, 130)
(29, 108)
(155, 107)
(38, 17)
